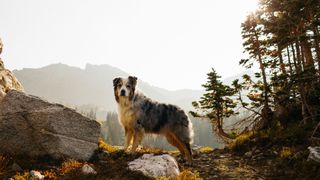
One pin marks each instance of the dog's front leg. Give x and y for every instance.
(137, 138)
(129, 136)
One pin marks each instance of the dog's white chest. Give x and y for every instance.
(127, 116)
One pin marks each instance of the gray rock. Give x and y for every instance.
(248, 154)
(156, 166)
(34, 127)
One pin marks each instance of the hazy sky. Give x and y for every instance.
(168, 43)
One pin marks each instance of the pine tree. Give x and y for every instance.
(252, 33)
(216, 104)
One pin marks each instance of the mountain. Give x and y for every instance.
(91, 86)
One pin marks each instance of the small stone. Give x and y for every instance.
(87, 169)
(36, 175)
(16, 167)
(248, 154)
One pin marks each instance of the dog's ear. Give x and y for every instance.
(133, 79)
(116, 81)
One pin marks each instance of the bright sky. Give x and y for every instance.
(168, 43)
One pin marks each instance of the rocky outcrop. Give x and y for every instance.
(34, 127)
(156, 166)
(7, 80)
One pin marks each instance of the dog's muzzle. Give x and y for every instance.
(122, 93)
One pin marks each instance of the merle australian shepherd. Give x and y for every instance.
(139, 114)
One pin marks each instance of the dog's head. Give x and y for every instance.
(124, 87)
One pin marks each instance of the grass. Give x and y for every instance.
(286, 152)
(107, 147)
(69, 166)
(241, 140)
(206, 149)
(50, 174)
(188, 175)
(22, 176)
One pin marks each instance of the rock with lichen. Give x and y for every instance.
(7, 79)
(34, 127)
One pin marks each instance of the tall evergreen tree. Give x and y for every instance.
(216, 104)
(252, 33)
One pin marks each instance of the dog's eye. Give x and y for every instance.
(119, 85)
(128, 86)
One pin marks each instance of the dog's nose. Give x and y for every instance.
(122, 92)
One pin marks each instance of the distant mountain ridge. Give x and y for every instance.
(93, 85)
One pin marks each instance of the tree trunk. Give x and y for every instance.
(289, 61)
(301, 87)
(266, 108)
(221, 132)
(316, 45)
(306, 49)
(282, 65)
(299, 65)
(294, 57)
(291, 71)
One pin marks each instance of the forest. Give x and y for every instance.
(281, 39)
(282, 100)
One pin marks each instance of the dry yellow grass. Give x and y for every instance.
(69, 166)
(50, 175)
(107, 147)
(188, 175)
(206, 149)
(22, 176)
(286, 152)
(241, 139)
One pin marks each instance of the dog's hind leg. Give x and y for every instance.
(188, 152)
(184, 148)
(172, 140)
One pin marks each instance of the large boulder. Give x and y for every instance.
(34, 127)
(156, 166)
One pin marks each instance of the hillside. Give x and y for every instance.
(92, 85)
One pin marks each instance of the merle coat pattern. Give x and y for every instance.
(139, 114)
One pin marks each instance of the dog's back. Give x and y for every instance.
(159, 117)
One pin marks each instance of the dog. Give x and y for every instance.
(139, 114)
